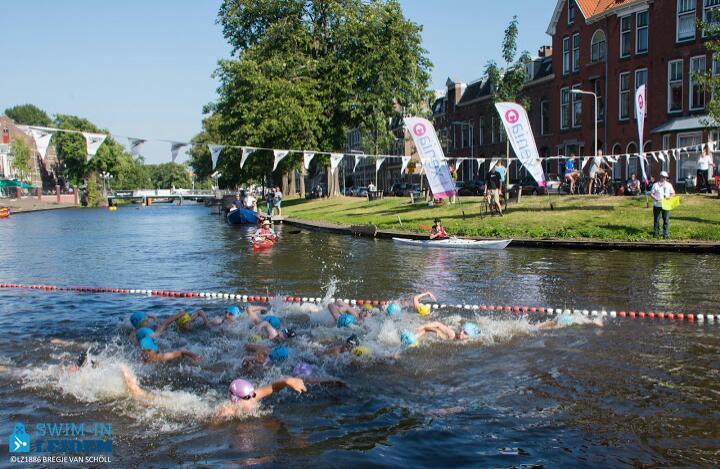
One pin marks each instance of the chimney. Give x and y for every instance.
(545, 51)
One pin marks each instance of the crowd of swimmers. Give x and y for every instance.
(243, 396)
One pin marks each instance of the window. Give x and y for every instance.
(685, 20)
(481, 126)
(633, 161)
(597, 88)
(625, 36)
(577, 108)
(617, 167)
(566, 55)
(576, 52)
(597, 46)
(687, 166)
(624, 96)
(571, 11)
(711, 14)
(641, 32)
(666, 146)
(492, 129)
(697, 94)
(465, 135)
(501, 131)
(640, 77)
(675, 86)
(565, 108)
(544, 117)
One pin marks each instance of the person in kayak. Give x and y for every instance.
(151, 352)
(344, 314)
(244, 398)
(265, 232)
(184, 321)
(421, 308)
(438, 231)
(269, 324)
(410, 338)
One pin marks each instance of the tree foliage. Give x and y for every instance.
(709, 81)
(302, 73)
(169, 176)
(21, 156)
(28, 114)
(507, 82)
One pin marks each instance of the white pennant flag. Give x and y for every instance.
(247, 151)
(627, 160)
(652, 153)
(93, 142)
(307, 158)
(662, 155)
(215, 151)
(42, 140)
(585, 162)
(279, 155)
(335, 159)
(458, 163)
(405, 162)
(378, 163)
(480, 161)
(358, 159)
(493, 162)
(175, 148)
(136, 145)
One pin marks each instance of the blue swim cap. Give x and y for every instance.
(148, 343)
(273, 321)
(143, 332)
(234, 310)
(279, 353)
(136, 318)
(471, 329)
(345, 320)
(393, 309)
(303, 370)
(565, 320)
(408, 339)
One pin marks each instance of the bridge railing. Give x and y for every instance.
(141, 193)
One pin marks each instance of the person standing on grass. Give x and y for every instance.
(703, 169)
(277, 200)
(492, 191)
(660, 191)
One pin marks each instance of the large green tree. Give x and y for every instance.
(21, 157)
(28, 114)
(169, 176)
(302, 73)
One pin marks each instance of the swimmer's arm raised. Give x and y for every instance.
(167, 323)
(296, 384)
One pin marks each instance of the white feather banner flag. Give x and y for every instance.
(335, 159)
(307, 158)
(42, 140)
(93, 142)
(279, 155)
(405, 162)
(215, 151)
(246, 152)
(175, 148)
(136, 145)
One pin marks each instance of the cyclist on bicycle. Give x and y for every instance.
(571, 174)
(492, 191)
(597, 172)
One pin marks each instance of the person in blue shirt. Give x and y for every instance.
(571, 174)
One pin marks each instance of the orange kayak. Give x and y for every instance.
(4, 212)
(263, 244)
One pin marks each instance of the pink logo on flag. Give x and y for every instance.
(641, 102)
(512, 116)
(419, 130)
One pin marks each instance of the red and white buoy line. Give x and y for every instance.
(266, 299)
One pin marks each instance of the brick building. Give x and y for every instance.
(609, 47)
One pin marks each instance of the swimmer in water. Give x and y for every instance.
(243, 397)
(81, 362)
(264, 356)
(232, 314)
(421, 308)
(350, 345)
(151, 352)
(138, 319)
(308, 374)
(410, 338)
(564, 320)
(184, 321)
(269, 324)
(344, 314)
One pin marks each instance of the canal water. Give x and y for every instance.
(597, 393)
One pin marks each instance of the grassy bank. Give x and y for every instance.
(576, 217)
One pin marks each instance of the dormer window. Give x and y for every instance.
(571, 12)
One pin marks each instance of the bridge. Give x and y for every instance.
(168, 194)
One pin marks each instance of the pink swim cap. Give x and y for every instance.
(241, 389)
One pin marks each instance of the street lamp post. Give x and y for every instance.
(590, 93)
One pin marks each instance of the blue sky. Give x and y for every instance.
(143, 67)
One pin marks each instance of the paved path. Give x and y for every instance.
(32, 204)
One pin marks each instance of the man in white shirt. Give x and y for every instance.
(250, 202)
(662, 189)
(703, 169)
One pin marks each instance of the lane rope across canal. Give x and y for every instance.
(266, 299)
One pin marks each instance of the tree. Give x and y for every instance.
(131, 174)
(28, 114)
(21, 156)
(303, 72)
(708, 80)
(169, 176)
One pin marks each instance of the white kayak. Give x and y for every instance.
(456, 243)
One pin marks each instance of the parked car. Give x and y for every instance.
(413, 189)
(476, 187)
(361, 192)
(529, 187)
(398, 189)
